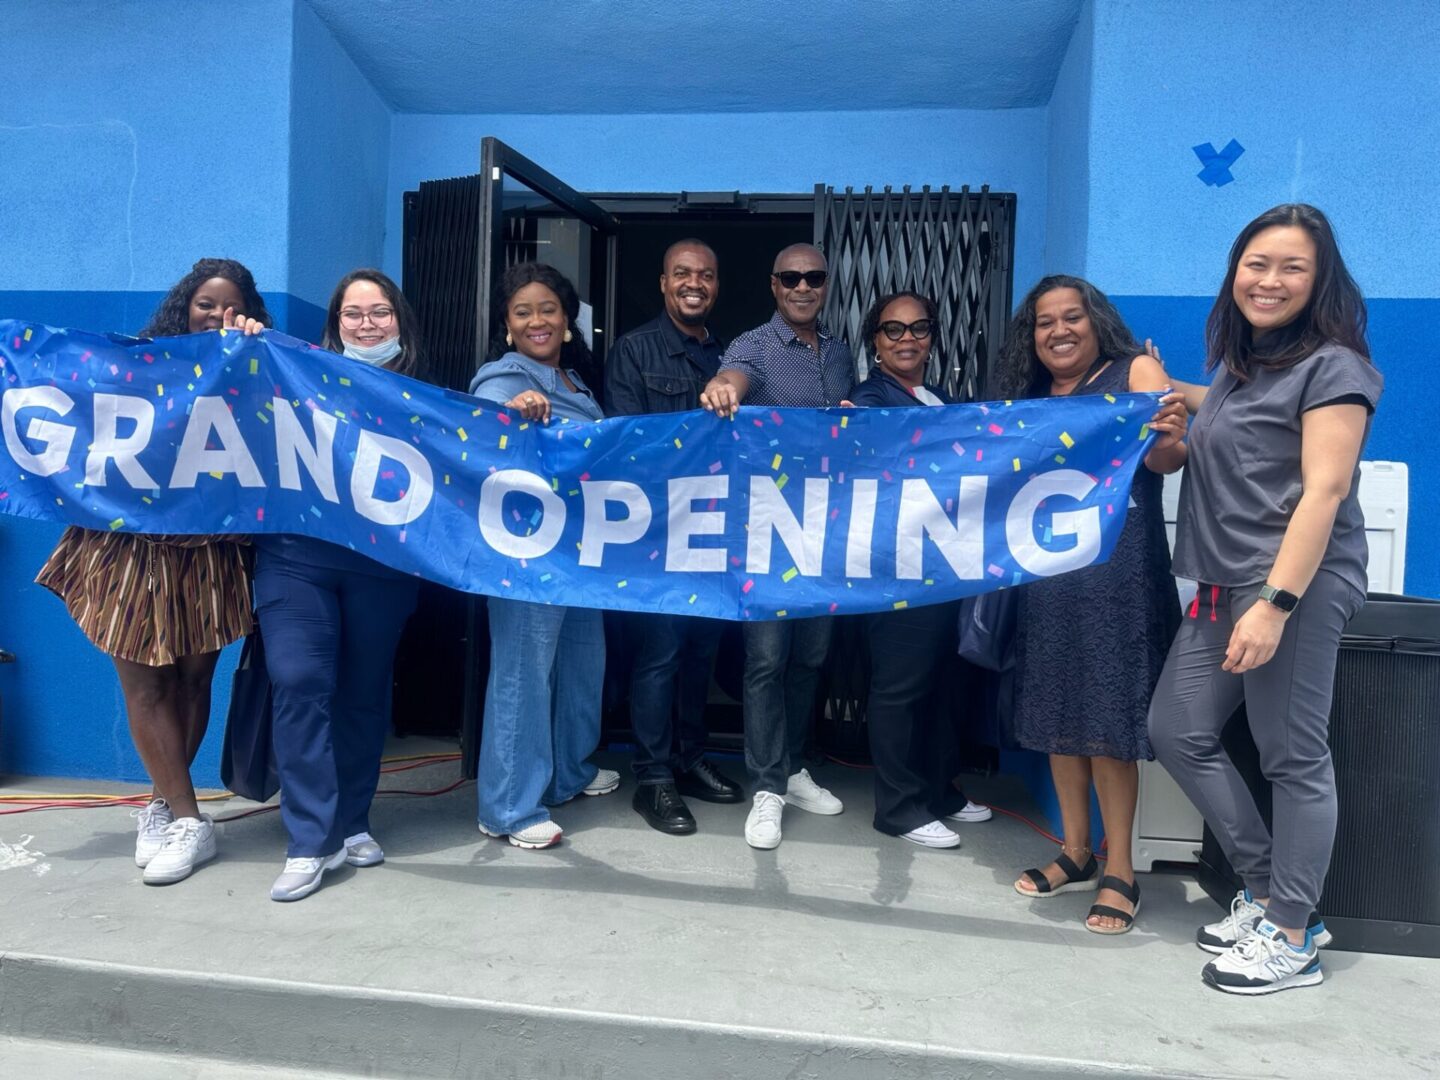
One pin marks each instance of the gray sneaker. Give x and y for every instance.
(362, 850)
(301, 877)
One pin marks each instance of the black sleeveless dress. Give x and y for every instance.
(1090, 643)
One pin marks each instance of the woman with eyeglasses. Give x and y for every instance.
(332, 619)
(1090, 643)
(913, 746)
(547, 661)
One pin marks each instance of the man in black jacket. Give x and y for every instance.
(661, 367)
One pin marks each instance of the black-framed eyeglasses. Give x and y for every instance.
(791, 278)
(894, 329)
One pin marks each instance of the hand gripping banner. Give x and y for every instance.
(779, 513)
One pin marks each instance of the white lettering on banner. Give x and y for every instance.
(862, 527)
(371, 451)
(492, 521)
(58, 438)
(207, 415)
(770, 514)
(962, 541)
(293, 449)
(600, 530)
(1083, 525)
(686, 522)
(108, 446)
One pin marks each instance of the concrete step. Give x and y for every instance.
(33, 1059)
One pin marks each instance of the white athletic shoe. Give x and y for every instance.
(762, 825)
(1220, 937)
(606, 781)
(189, 842)
(542, 834)
(803, 792)
(362, 850)
(972, 812)
(932, 834)
(151, 821)
(302, 876)
(1264, 962)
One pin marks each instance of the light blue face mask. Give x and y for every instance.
(379, 354)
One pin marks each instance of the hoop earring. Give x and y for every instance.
(508, 339)
(569, 337)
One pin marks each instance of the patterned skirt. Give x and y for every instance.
(152, 599)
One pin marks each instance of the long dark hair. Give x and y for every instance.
(573, 353)
(172, 317)
(410, 360)
(1334, 315)
(871, 326)
(1019, 372)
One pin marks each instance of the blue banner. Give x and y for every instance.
(778, 513)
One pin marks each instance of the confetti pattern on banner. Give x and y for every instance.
(785, 513)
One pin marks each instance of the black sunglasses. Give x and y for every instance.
(895, 330)
(792, 278)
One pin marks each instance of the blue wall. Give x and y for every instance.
(777, 152)
(1068, 207)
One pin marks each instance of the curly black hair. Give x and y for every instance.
(1335, 313)
(574, 353)
(1019, 372)
(172, 317)
(411, 359)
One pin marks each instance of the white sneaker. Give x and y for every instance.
(189, 842)
(151, 821)
(803, 792)
(932, 834)
(762, 825)
(972, 812)
(1222, 936)
(302, 876)
(542, 834)
(1264, 962)
(362, 850)
(606, 781)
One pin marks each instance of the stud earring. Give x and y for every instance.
(569, 337)
(508, 339)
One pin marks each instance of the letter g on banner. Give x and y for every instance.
(1083, 524)
(492, 521)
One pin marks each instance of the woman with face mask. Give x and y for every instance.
(332, 619)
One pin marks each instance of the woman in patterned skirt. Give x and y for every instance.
(163, 607)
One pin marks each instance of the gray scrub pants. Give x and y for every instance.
(1287, 702)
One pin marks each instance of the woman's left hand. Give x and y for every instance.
(1255, 638)
(532, 405)
(248, 327)
(1171, 421)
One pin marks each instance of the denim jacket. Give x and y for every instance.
(501, 379)
(657, 369)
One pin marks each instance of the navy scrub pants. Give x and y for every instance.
(330, 638)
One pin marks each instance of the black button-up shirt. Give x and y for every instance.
(657, 369)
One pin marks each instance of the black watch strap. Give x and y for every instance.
(1285, 601)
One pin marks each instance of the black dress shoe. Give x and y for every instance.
(662, 808)
(708, 784)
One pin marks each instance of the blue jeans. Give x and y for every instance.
(782, 670)
(669, 687)
(542, 710)
(330, 638)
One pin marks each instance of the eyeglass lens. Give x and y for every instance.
(895, 330)
(380, 316)
(792, 278)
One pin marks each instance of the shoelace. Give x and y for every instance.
(304, 865)
(770, 809)
(670, 799)
(181, 830)
(1234, 923)
(1252, 946)
(147, 814)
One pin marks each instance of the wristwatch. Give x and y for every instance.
(1279, 598)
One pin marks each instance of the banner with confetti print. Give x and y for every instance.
(778, 513)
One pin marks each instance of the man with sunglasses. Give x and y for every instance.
(789, 361)
(661, 367)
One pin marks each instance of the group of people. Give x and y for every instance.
(1108, 670)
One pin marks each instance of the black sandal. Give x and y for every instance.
(1130, 891)
(1077, 879)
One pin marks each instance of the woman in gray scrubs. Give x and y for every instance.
(1271, 528)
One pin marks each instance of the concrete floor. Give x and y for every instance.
(625, 953)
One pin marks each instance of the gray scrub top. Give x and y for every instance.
(1242, 476)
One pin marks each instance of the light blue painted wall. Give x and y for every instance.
(339, 163)
(780, 152)
(1067, 214)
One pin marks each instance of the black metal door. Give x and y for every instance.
(953, 246)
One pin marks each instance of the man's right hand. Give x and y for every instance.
(719, 397)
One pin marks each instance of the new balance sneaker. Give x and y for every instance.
(932, 834)
(1265, 962)
(803, 792)
(606, 781)
(189, 842)
(302, 876)
(1245, 915)
(542, 834)
(151, 821)
(762, 825)
(972, 812)
(362, 850)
